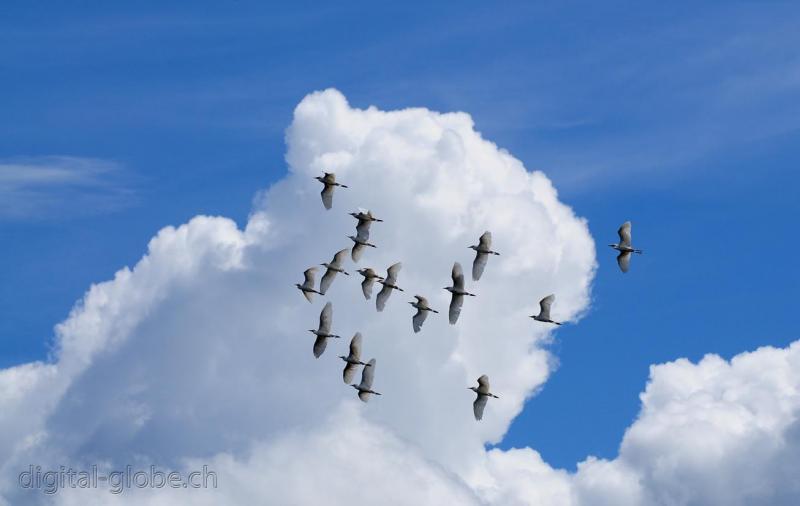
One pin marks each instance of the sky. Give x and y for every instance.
(683, 118)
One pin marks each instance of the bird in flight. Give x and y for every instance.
(308, 285)
(332, 269)
(361, 242)
(483, 396)
(329, 180)
(422, 312)
(365, 387)
(624, 247)
(544, 310)
(369, 279)
(353, 360)
(389, 284)
(458, 292)
(482, 251)
(323, 333)
(365, 219)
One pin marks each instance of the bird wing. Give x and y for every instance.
(625, 234)
(309, 274)
(392, 272)
(419, 319)
(483, 384)
(455, 307)
(327, 196)
(458, 276)
(319, 346)
(624, 260)
(383, 296)
(478, 405)
(364, 396)
(326, 281)
(362, 229)
(485, 241)
(308, 295)
(339, 258)
(356, 252)
(325, 318)
(367, 375)
(421, 300)
(366, 287)
(478, 265)
(349, 373)
(544, 306)
(355, 347)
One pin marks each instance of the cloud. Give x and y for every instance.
(50, 186)
(199, 355)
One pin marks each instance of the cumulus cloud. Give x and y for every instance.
(199, 353)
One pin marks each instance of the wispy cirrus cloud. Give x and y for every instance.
(47, 187)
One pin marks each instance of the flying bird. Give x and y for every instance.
(369, 279)
(389, 284)
(365, 387)
(323, 333)
(308, 285)
(422, 312)
(544, 310)
(329, 180)
(624, 247)
(365, 219)
(483, 396)
(358, 247)
(333, 268)
(482, 251)
(353, 360)
(458, 292)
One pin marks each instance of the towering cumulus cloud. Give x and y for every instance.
(200, 354)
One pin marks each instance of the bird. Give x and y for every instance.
(458, 292)
(624, 247)
(329, 180)
(369, 279)
(422, 312)
(358, 248)
(365, 219)
(333, 268)
(544, 310)
(389, 283)
(323, 333)
(308, 285)
(483, 249)
(353, 360)
(365, 387)
(483, 396)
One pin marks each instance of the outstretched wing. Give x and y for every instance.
(478, 265)
(383, 296)
(483, 384)
(362, 229)
(356, 252)
(327, 196)
(421, 300)
(625, 235)
(392, 272)
(367, 375)
(455, 307)
(366, 287)
(326, 281)
(308, 295)
(309, 275)
(325, 319)
(339, 258)
(485, 241)
(349, 373)
(624, 260)
(419, 319)
(458, 276)
(544, 306)
(355, 347)
(319, 346)
(364, 396)
(478, 405)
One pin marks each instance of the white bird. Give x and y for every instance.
(389, 284)
(308, 285)
(365, 387)
(458, 292)
(365, 219)
(483, 249)
(333, 268)
(422, 312)
(624, 247)
(329, 180)
(544, 310)
(369, 279)
(358, 247)
(323, 333)
(483, 396)
(353, 360)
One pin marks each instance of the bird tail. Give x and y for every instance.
(638, 251)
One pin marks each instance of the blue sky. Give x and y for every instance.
(683, 118)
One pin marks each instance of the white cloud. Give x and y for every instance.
(199, 353)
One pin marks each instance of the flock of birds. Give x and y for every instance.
(389, 283)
